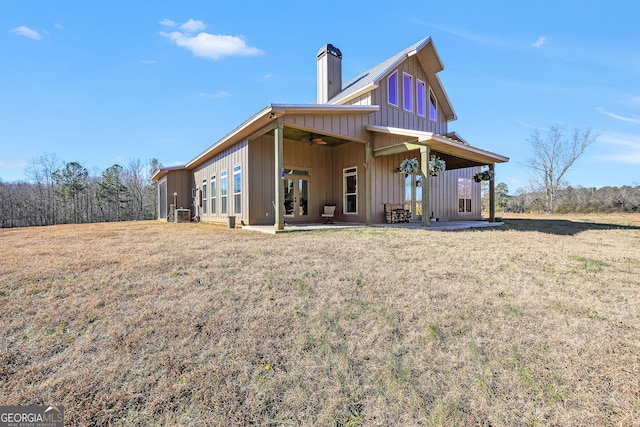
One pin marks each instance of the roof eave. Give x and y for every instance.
(160, 173)
(436, 141)
(270, 114)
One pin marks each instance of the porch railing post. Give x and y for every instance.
(367, 174)
(279, 182)
(426, 186)
(492, 194)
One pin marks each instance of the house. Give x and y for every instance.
(344, 150)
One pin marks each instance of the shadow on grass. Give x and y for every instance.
(561, 227)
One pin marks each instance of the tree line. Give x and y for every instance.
(553, 156)
(534, 199)
(67, 193)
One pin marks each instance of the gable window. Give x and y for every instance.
(350, 177)
(433, 106)
(204, 196)
(421, 93)
(392, 88)
(464, 195)
(213, 194)
(223, 192)
(407, 92)
(237, 190)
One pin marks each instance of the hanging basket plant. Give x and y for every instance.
(409, 166)
(484, 176)
(436, 165)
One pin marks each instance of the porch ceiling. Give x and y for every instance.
(310, 137)
(455, 153)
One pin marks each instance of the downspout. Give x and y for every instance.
(367, 174)
(492, 194)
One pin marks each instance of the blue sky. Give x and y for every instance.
(106, 82)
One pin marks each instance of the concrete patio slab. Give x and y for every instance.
(435, 226)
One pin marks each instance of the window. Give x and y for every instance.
(392, 83)
(350, 190)
(421, 93)
(223, 192)
(433, 106)
(464, 195)
(204, 196)
(213, 194)
(407, 92)
(237, 190)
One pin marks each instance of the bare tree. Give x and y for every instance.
(40, 171)
(134, 179)
(554, 155)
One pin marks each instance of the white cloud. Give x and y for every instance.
(629, 143)
(530, 126)
(542, 40)
(617, 117)
(58, 26)
(212, 46)
(473, 37)
(631, 101)
(26, 32)
(168, 23)
(192, 26)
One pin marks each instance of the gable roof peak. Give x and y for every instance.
(429, 59)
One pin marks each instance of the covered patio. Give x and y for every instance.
(435, 226)
(454, 150)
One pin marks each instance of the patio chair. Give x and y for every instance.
(328, 212)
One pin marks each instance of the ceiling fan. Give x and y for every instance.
(314, 139)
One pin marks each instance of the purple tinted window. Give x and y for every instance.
(407, 92)
(420, 98)
(433, 112)
(393, 88)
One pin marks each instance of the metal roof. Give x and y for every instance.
(429, 59)
(270, 114)
(441, 143)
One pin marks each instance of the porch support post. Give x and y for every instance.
(492, 195)
(426, 186)
(279, 182)
(367, 180)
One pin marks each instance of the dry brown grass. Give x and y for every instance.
(537, 323)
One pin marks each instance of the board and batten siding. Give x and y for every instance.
(347, 156)
(444, 195)
(390, 115)
(387, 184)
(317, 160)
(347, 126)
(179, 182)
(388, 187)
(237, 155)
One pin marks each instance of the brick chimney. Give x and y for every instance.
(329, 65)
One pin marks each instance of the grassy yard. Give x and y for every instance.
(533, 324)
